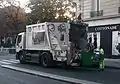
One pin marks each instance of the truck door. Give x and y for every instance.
(19, 43)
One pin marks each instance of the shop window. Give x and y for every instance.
(96, 13)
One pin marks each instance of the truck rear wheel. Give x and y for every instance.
(46, 60)
(22, 58)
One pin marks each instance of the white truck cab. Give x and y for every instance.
(20, 41)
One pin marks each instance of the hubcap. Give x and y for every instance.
(44, 61)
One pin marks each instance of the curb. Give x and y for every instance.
(112, 67)
(48, 75)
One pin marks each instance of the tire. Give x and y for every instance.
(22, 58)
(46, 60)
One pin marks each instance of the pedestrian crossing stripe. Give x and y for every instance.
(2, 62)
(10, 61)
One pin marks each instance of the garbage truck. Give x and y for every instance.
(51, 43)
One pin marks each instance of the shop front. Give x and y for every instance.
(108, 37)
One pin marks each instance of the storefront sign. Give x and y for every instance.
(104, 28)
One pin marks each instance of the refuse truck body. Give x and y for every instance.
(50, 43)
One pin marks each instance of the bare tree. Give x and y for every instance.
(11, 20)
(12, 10)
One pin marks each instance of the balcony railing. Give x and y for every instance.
(96, 13)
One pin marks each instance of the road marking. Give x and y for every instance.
(13, 60)
(48, 75)
(2, 62)
(10, 61)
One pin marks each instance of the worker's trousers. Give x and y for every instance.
(101, 64)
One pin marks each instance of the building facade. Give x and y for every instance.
(103, 17)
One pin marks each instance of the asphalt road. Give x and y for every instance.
(13, 77)
(6, 56)
(8, 76)
(109, 76)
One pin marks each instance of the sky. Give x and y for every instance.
(23, 4)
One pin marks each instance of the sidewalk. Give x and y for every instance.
(112, 63)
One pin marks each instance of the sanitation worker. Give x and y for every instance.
(118, 47)
(101, 61)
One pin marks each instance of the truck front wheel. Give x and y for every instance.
(22, 58)
(46, 60)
